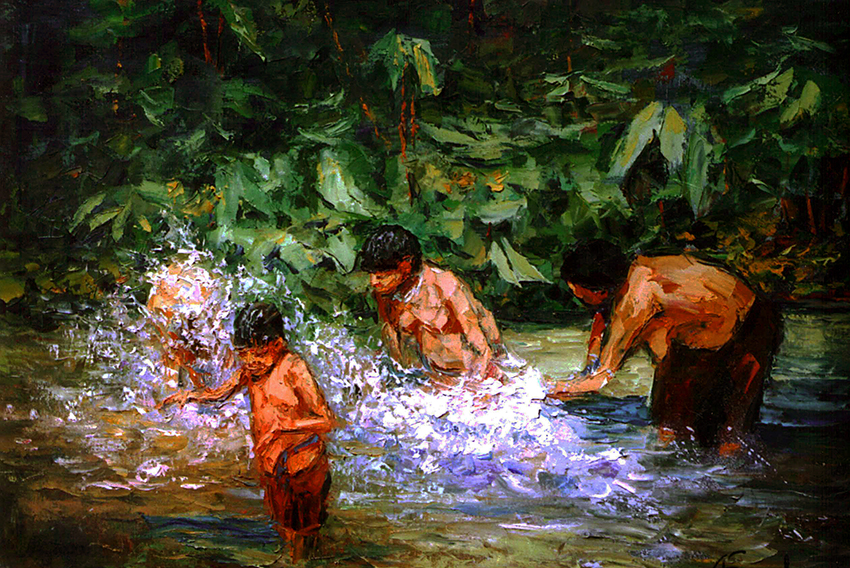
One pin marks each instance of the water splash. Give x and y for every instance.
(396, 437)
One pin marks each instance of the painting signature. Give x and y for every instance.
(730, 557)
(733, 556)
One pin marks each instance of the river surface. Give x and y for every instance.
(92, 474)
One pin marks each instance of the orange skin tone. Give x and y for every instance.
(664, 300)
(432, 318)
(287, 405)
(163, 298)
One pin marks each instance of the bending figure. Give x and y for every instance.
(431, 320)
(711, 338)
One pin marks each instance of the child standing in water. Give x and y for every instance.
(430, 317)
(289, 418)
(711, 338)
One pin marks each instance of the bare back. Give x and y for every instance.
(679, 299)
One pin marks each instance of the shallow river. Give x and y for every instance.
(91, 474)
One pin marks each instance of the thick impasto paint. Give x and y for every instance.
(307, 282)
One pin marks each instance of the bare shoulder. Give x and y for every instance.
(645, 281)
(671, 264)
(295, 365)
(446, 281)
(646, 269)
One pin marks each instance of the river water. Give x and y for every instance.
(92, 474)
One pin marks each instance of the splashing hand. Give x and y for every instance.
(580, 383)
(180, 397)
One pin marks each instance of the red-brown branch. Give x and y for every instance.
(207, 54)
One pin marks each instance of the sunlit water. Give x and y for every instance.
(94, 475)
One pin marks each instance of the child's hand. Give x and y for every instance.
(592, 366)
(578, 384)
(180, 397)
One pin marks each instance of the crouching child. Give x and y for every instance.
(289, 420)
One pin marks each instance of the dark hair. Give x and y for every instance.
(387, 247)
(595, 264)
(257, 324)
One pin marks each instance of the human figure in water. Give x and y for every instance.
(710, 336)
(431, 320)
(184, 309)
(289, 420)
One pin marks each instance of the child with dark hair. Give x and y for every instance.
(710, 336)
(590, 281)
(289, 418)
(430, 317)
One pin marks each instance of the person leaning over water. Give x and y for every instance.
(711, 338)
(430, 317)
(289, 418)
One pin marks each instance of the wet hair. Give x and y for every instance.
(256, 325)
(387, 247)
(595, 264)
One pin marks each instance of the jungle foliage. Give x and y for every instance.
(279, 133)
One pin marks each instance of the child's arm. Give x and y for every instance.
(471, 325)
(319, 416)
(594, 344)
(629, 318)
(222, 392)
(389, 333)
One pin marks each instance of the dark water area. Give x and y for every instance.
(90, 475)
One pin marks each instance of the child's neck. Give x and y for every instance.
(409, 282)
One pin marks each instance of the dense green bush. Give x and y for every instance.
(282, 132)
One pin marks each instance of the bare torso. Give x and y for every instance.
(437, 323)
(280, 402)
(184, 307)
(667, 300)
(692, 303)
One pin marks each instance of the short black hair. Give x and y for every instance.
(595, 264)
(257, 324)
(387, 247)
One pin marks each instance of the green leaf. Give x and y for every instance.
(337, 186)
(156, 101)
(154, 192)
(620, 90)
(120, 221)
(641, 131)
(474, 248)
(192, 143)
(398, 52)
(241, 21)
(735, 92)
(672, 137)
(341, 248)
(249, 190)
(101, 32)
(329, 134)
(10, 288)
(502, 210)
(451, 223)
(501, 261)
(775, 93)
(87, 207)
(228, 206)
(30, 108)
(696, 187)
(522, 268)
(808, 103)
(122, 144)
(805, 44)
(103, 217)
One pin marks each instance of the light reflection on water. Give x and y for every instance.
(90, 465)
